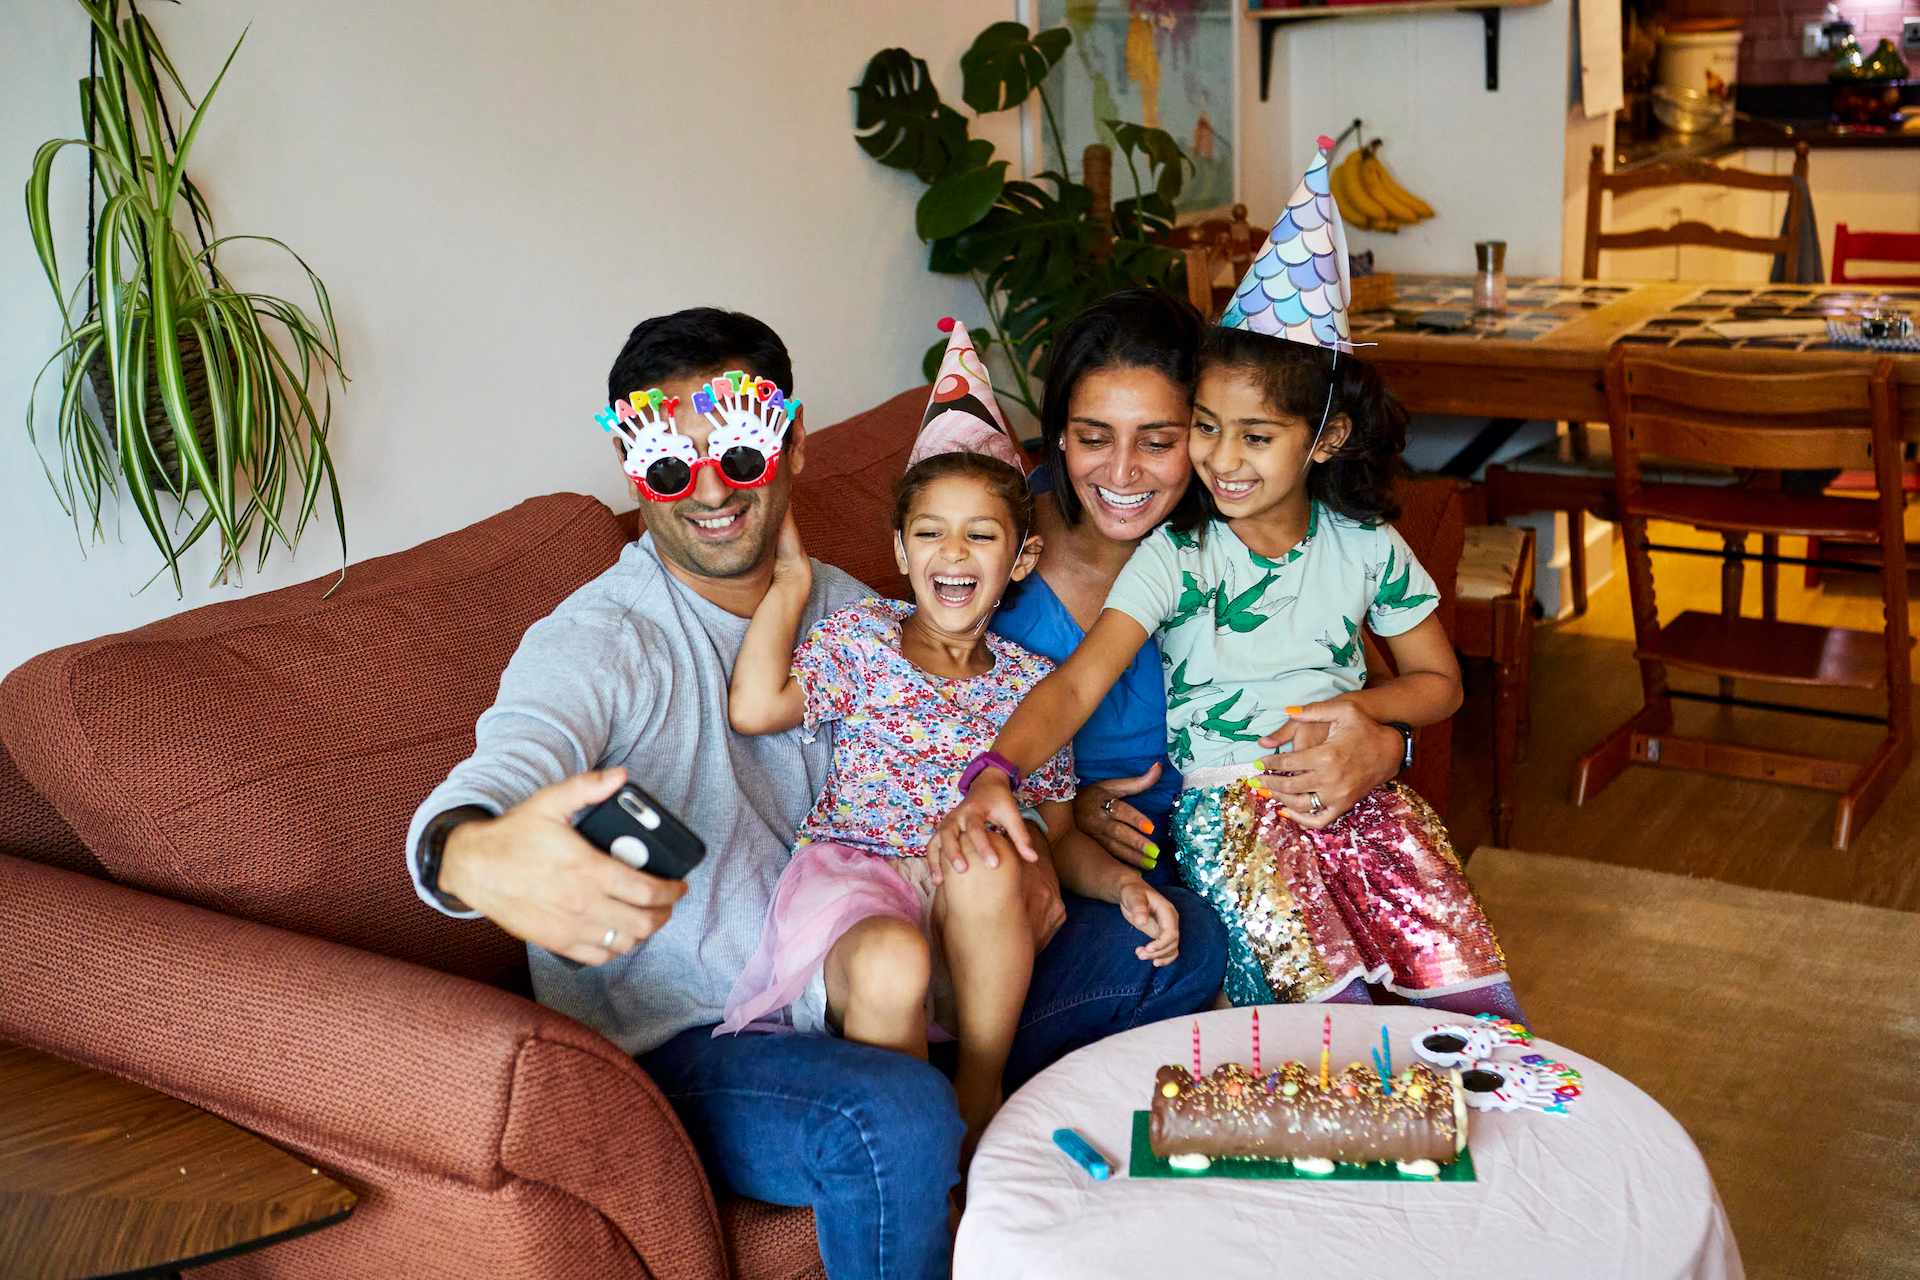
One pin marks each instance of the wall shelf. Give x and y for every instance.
(1270, 21)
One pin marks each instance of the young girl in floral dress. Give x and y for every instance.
(860, 939)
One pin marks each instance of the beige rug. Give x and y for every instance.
(1782, 1031)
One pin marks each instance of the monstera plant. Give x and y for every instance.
(210, 401)
(1037, 251)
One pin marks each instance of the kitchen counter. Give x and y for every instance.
(1666, 148)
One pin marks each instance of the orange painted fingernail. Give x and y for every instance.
(1146, 828)
(1293, 711)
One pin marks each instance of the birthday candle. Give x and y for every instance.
(1326, 1050)
(1196, 1048)
(1256, 1042)
(1386, 1049)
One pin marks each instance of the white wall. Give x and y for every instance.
(1489, 163)
(494, 193)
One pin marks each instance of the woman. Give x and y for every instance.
(1114, 440)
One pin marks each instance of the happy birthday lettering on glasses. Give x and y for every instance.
(750, 417)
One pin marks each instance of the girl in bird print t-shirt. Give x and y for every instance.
(1258, 612)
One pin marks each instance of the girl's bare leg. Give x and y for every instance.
(877, 978)
(988, 937)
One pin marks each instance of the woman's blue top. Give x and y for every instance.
(1127, 733)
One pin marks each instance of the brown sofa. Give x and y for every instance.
(202, 889)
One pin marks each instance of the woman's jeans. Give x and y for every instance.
(871, 1138)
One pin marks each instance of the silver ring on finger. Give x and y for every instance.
(1315, 797)
(1107, 808)
(613, 936)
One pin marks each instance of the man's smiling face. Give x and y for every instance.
(717, 531)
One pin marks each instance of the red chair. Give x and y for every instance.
(1874, 246)
(1869, 246)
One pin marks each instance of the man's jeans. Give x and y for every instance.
(871, 1138)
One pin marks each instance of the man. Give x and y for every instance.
(629, 678)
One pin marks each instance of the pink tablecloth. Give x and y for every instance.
(1614, 1188)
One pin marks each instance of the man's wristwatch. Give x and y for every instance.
(433, 846)
(1406, 732)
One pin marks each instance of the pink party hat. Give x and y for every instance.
(962, 414)
(1298, 287)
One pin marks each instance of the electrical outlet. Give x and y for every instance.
(1813, 40)
(1910, 34)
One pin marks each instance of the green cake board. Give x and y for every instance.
(1142, 1163)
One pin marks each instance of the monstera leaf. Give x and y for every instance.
(1159, 150)
(1145, 264)
(910, 128)
(963, 195)
(1143, 217)
(1031, 241)
(1005, 64)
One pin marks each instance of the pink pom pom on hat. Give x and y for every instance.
(962, 414)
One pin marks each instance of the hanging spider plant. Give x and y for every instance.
(213, 402)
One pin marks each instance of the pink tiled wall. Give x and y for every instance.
(1770, 54)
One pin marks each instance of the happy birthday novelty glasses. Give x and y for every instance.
(750, 417)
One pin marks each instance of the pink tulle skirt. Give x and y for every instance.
(826, 889)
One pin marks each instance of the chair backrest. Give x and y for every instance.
(1733, 417)
(1873, 246)
(1207, 245)
(1699, 172)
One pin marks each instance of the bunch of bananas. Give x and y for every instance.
(1368, 196)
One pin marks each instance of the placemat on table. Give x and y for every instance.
(1848, 332)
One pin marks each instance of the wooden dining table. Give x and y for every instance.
(1545, 356)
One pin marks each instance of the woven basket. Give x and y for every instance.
(159, 427)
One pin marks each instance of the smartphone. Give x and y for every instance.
(637, 829)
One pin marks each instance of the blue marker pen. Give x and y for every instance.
(1082, 1153)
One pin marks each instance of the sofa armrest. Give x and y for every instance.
(352, 1059)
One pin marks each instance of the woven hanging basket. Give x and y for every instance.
(160, 427)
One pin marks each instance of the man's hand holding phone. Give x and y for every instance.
(536, 877)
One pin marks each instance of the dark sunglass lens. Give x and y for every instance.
(743, 465)
(668, 476)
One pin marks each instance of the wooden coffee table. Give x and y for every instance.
(100, 1176)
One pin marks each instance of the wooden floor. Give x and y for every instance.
(1585, 682)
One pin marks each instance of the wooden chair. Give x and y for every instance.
(1694, 172)
(1207, 244)
(1874, 246)
(1561, 475)
(1836, 418)
(1493, 618)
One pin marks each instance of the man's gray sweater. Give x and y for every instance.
(632, 670)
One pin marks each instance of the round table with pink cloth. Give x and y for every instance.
(1613, 1188)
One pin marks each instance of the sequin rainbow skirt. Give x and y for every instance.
(1377, 895)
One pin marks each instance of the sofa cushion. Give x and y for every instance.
(32, 828)
(262, 756)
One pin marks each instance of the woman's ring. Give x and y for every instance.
(1107, 808)
(1315, 797)
(606, 943)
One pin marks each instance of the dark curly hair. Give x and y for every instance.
(1130, 329)
(1296, 379)
(1005, 481)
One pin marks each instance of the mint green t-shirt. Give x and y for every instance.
(1243, 636)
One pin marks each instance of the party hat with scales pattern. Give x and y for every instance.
(1298, 287)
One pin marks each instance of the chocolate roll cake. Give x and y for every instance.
(1286, 1115)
